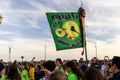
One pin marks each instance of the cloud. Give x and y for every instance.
(26, 29)
(102, 19)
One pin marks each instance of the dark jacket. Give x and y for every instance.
(116, 76)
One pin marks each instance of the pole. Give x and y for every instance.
(9, 53)
(81, 3)
(96, 48)
(45, 52)
(86, 52)
(22, 58)
(82, 21)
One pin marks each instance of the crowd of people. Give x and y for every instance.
(61, 70)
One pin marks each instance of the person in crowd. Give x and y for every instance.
(107, 72)
(38, 73)
(13, 73)
(1, 71)
(115, 68)
(83, 66)
(95, 63)
(24, 71)
(5, 73)
(104, 67)
(58, 75)
(59, 64)
(49, 67)
(89, 63)
(74, 72)
(93, 74)
(80, 62)
(31, 72)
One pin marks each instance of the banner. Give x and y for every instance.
(66, 29)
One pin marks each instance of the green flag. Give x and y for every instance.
(66, 29)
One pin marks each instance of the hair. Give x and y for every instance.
(13, 73)
(1, 66)
(57, 75)
(39, 67)
(6, 70)
(75, 69)
(116, 61)
(31, 65)
(50, 65)
(58, 59)
(93, 74)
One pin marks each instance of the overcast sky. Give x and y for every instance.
(25, 28)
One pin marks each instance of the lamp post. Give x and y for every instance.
(45, 52)
(9, 53)
(1, 19)
(22, 57)
(96, 49)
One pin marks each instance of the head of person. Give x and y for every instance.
(95, 63)
(94, 59)
(24, 66)
(13, 73)
(49, 65)
(81, 59)
(31, 65)
(93, 74)
(58, 62)
(71, 66)
(105, 62)
(57, 75)
(115, 67)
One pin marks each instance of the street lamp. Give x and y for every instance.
(45, 52)
(9, 53)
(22, 57)
(96, 48)
(1, 19)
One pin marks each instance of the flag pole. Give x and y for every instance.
(81, 3)
(82, 21)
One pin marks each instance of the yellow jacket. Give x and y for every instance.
(31, 73)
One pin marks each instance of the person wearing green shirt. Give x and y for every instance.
(24, 72)
(3, 78)
(13, 73)
(72, 76)
(74, 72)
(59, 65)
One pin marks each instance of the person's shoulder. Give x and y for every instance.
(72, 75)
(116, 76)
(3, 78)
(118, 73)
